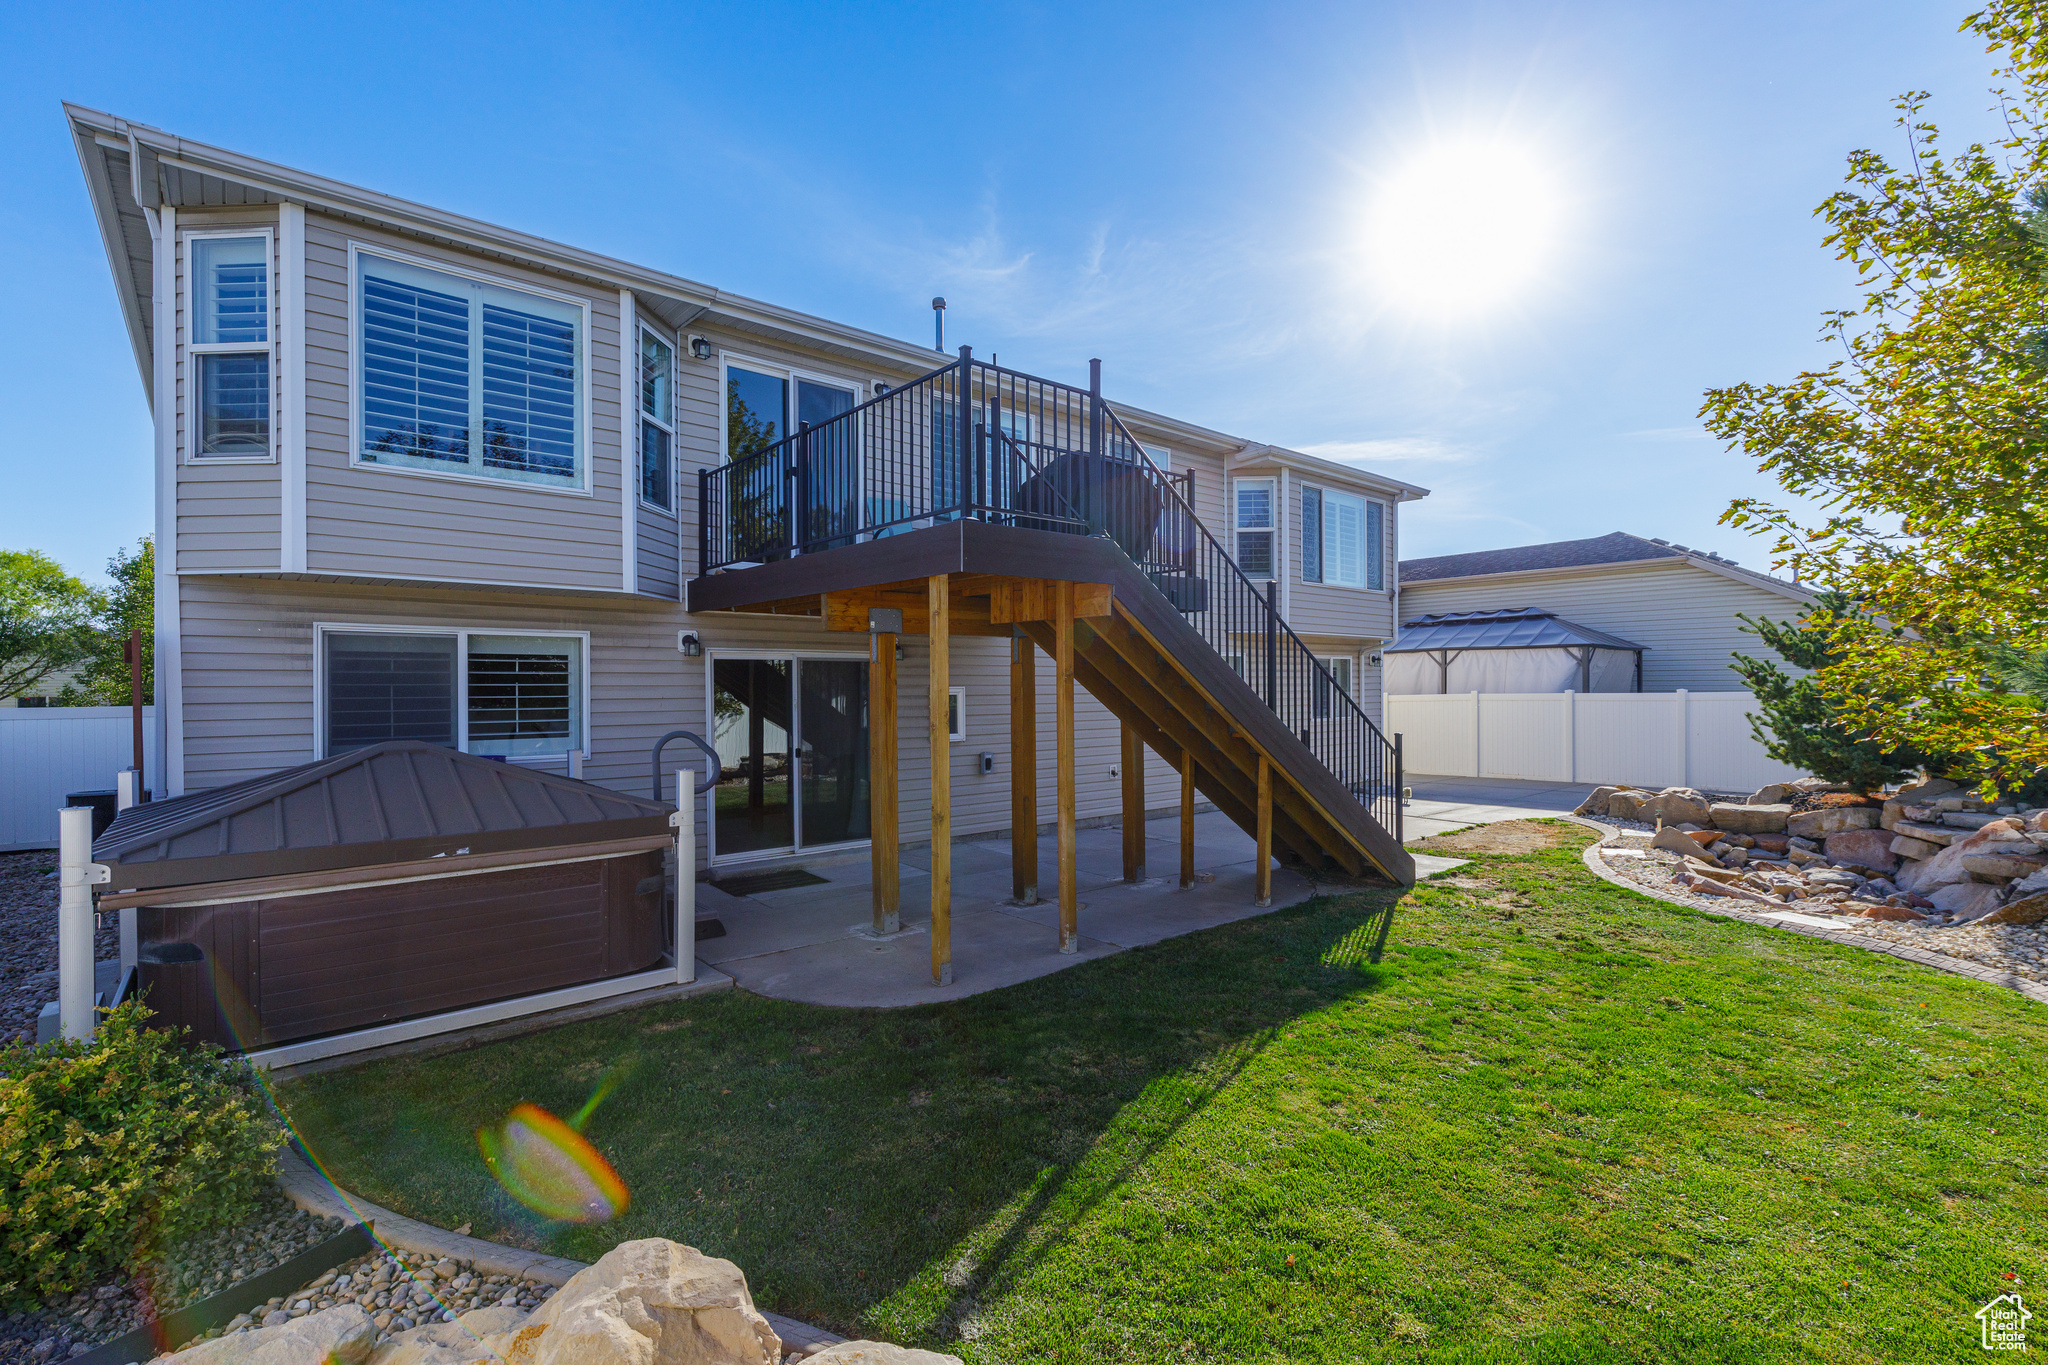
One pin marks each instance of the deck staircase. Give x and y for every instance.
(1004, 483)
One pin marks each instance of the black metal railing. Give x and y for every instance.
(973, 440)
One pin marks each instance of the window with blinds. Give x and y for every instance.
(1311, 534)
(467, 376)
(1253, 528)
(383, 687)
(657, 421)
(228, 285)
(1341, 539)
(514, 696)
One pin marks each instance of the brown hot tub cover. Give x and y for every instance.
(396, 802)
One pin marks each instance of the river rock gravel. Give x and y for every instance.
(57, 1331)
(28, 940)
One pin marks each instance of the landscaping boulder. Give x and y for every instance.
(1899, 913)
(1596, 804)
(2003, 865)
(1946, 867)
(1864, 847)
(1675, 806)
(1627, 804)
(1772, 794)
(878, 1353)
(1755, 818)
(1815, 824)
(1674, 840)
(648, 1302)
(333, 1336)
(1773, 843)
(1932, 834)
(2026, 910)
(1926, 791)
(1907, 847)
(1965, 900)
(1969, 819)
(465, 1341)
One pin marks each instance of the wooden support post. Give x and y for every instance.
(936, 588)
(1264, 882)
(885, 844)
(1187, 818)
(1023, 772)
(1063, 740)
(1133, 763)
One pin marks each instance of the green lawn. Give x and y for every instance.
(1514, 1115)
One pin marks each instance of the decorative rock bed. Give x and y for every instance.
(28, 941)
(650, 1302)
(1922, 867)
(57, 1331)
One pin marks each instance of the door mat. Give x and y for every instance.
(768, 881)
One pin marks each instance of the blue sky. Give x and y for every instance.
(1186, 190)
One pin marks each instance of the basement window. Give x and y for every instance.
(509, 696)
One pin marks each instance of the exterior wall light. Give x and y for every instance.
(689, 644)
(700, 347)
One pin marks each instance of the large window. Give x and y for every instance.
(1253, 526)
(462, 376)
(518, 696)
(1342, 539)
(230, 346)
(657, 421)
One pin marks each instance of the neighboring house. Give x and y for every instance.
(422, 477)
(45, 692)
(1680, 605)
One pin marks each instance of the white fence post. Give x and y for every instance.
(1684, 738)
(74, 922)
(685, 821)
(1571, 736)
(1478, 762)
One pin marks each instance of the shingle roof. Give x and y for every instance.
(1521, 628)
(387, 803)
(1616, 548)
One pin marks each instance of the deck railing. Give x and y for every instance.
(973, 440)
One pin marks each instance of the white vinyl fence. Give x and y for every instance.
(49, 752)
(1647, 739)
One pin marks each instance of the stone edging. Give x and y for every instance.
(1941, 962)
(314, 1193)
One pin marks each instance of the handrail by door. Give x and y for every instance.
(716, 770)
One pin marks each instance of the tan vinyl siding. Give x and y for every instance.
(655, 541)
(390, 523)
(249, 679)
(1685, 616)
(228, 513)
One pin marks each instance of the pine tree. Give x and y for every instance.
(1797, 722)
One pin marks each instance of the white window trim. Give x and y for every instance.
(709, 814)
(192, 350)
(959, 696)
(461, 634)
(675, 478)
(727, 360)
(1386, 523)
(585, 445)
(1276, 516)
(1161, 455)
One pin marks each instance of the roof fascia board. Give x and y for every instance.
(106, 213)
(1260, 456)
(1662, 561)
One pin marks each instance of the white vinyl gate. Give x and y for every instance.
(1646, 739)
(47, 752)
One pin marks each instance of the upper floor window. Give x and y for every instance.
(657, 422)
(465, 376)
(230, 345)
(1253, 526)
(1342, 539)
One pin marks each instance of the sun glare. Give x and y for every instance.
(1463, 227)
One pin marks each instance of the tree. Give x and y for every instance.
(1800, 724)
(1926, 444)
(46, 619)
(129, 606)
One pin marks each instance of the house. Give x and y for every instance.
(1678, 606)
(420, 477)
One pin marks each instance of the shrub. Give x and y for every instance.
(116, 1146)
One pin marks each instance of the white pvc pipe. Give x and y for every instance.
(127, 792)
(686, 876)
(74, 922)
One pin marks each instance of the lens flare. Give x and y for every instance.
(551, 1168)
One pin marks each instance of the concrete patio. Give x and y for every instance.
(1447, 803)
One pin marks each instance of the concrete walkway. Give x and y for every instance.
(1447, 803)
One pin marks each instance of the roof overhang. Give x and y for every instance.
(1738, 574)
(1256, 457)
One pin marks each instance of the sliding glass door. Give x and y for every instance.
(791, 735)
